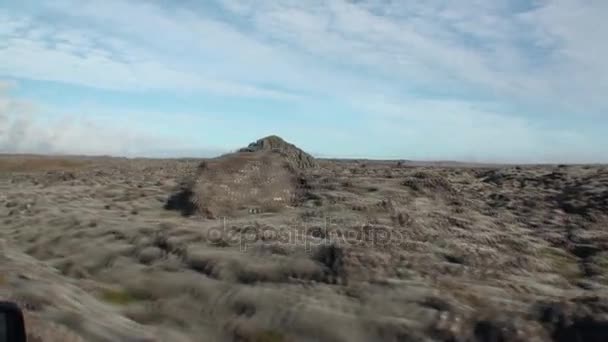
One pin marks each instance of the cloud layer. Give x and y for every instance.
(24, 128)
(502, 80)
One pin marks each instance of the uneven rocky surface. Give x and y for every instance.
(263, 177)
(294, 156)
(371, 251)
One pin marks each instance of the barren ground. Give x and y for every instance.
(377, 251)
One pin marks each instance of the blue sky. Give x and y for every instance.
(495, 81)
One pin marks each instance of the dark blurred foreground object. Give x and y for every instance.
(12, 327)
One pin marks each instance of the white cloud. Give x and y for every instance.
(24, 128)
(578, 67)
(84, 57)
(477, 47)
(550, 56)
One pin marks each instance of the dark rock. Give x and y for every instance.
(332, 258)
(585, 251)
(490, 331)
(182, 201)
(454, 259)
(581, 319)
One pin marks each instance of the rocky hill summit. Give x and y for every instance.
(295, 156)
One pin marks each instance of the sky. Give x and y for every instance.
(474, 80)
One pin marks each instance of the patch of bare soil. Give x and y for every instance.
(368, 251)
(17, 163)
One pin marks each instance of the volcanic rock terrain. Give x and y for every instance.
(271, 244)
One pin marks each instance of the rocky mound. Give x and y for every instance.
(263, 177)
